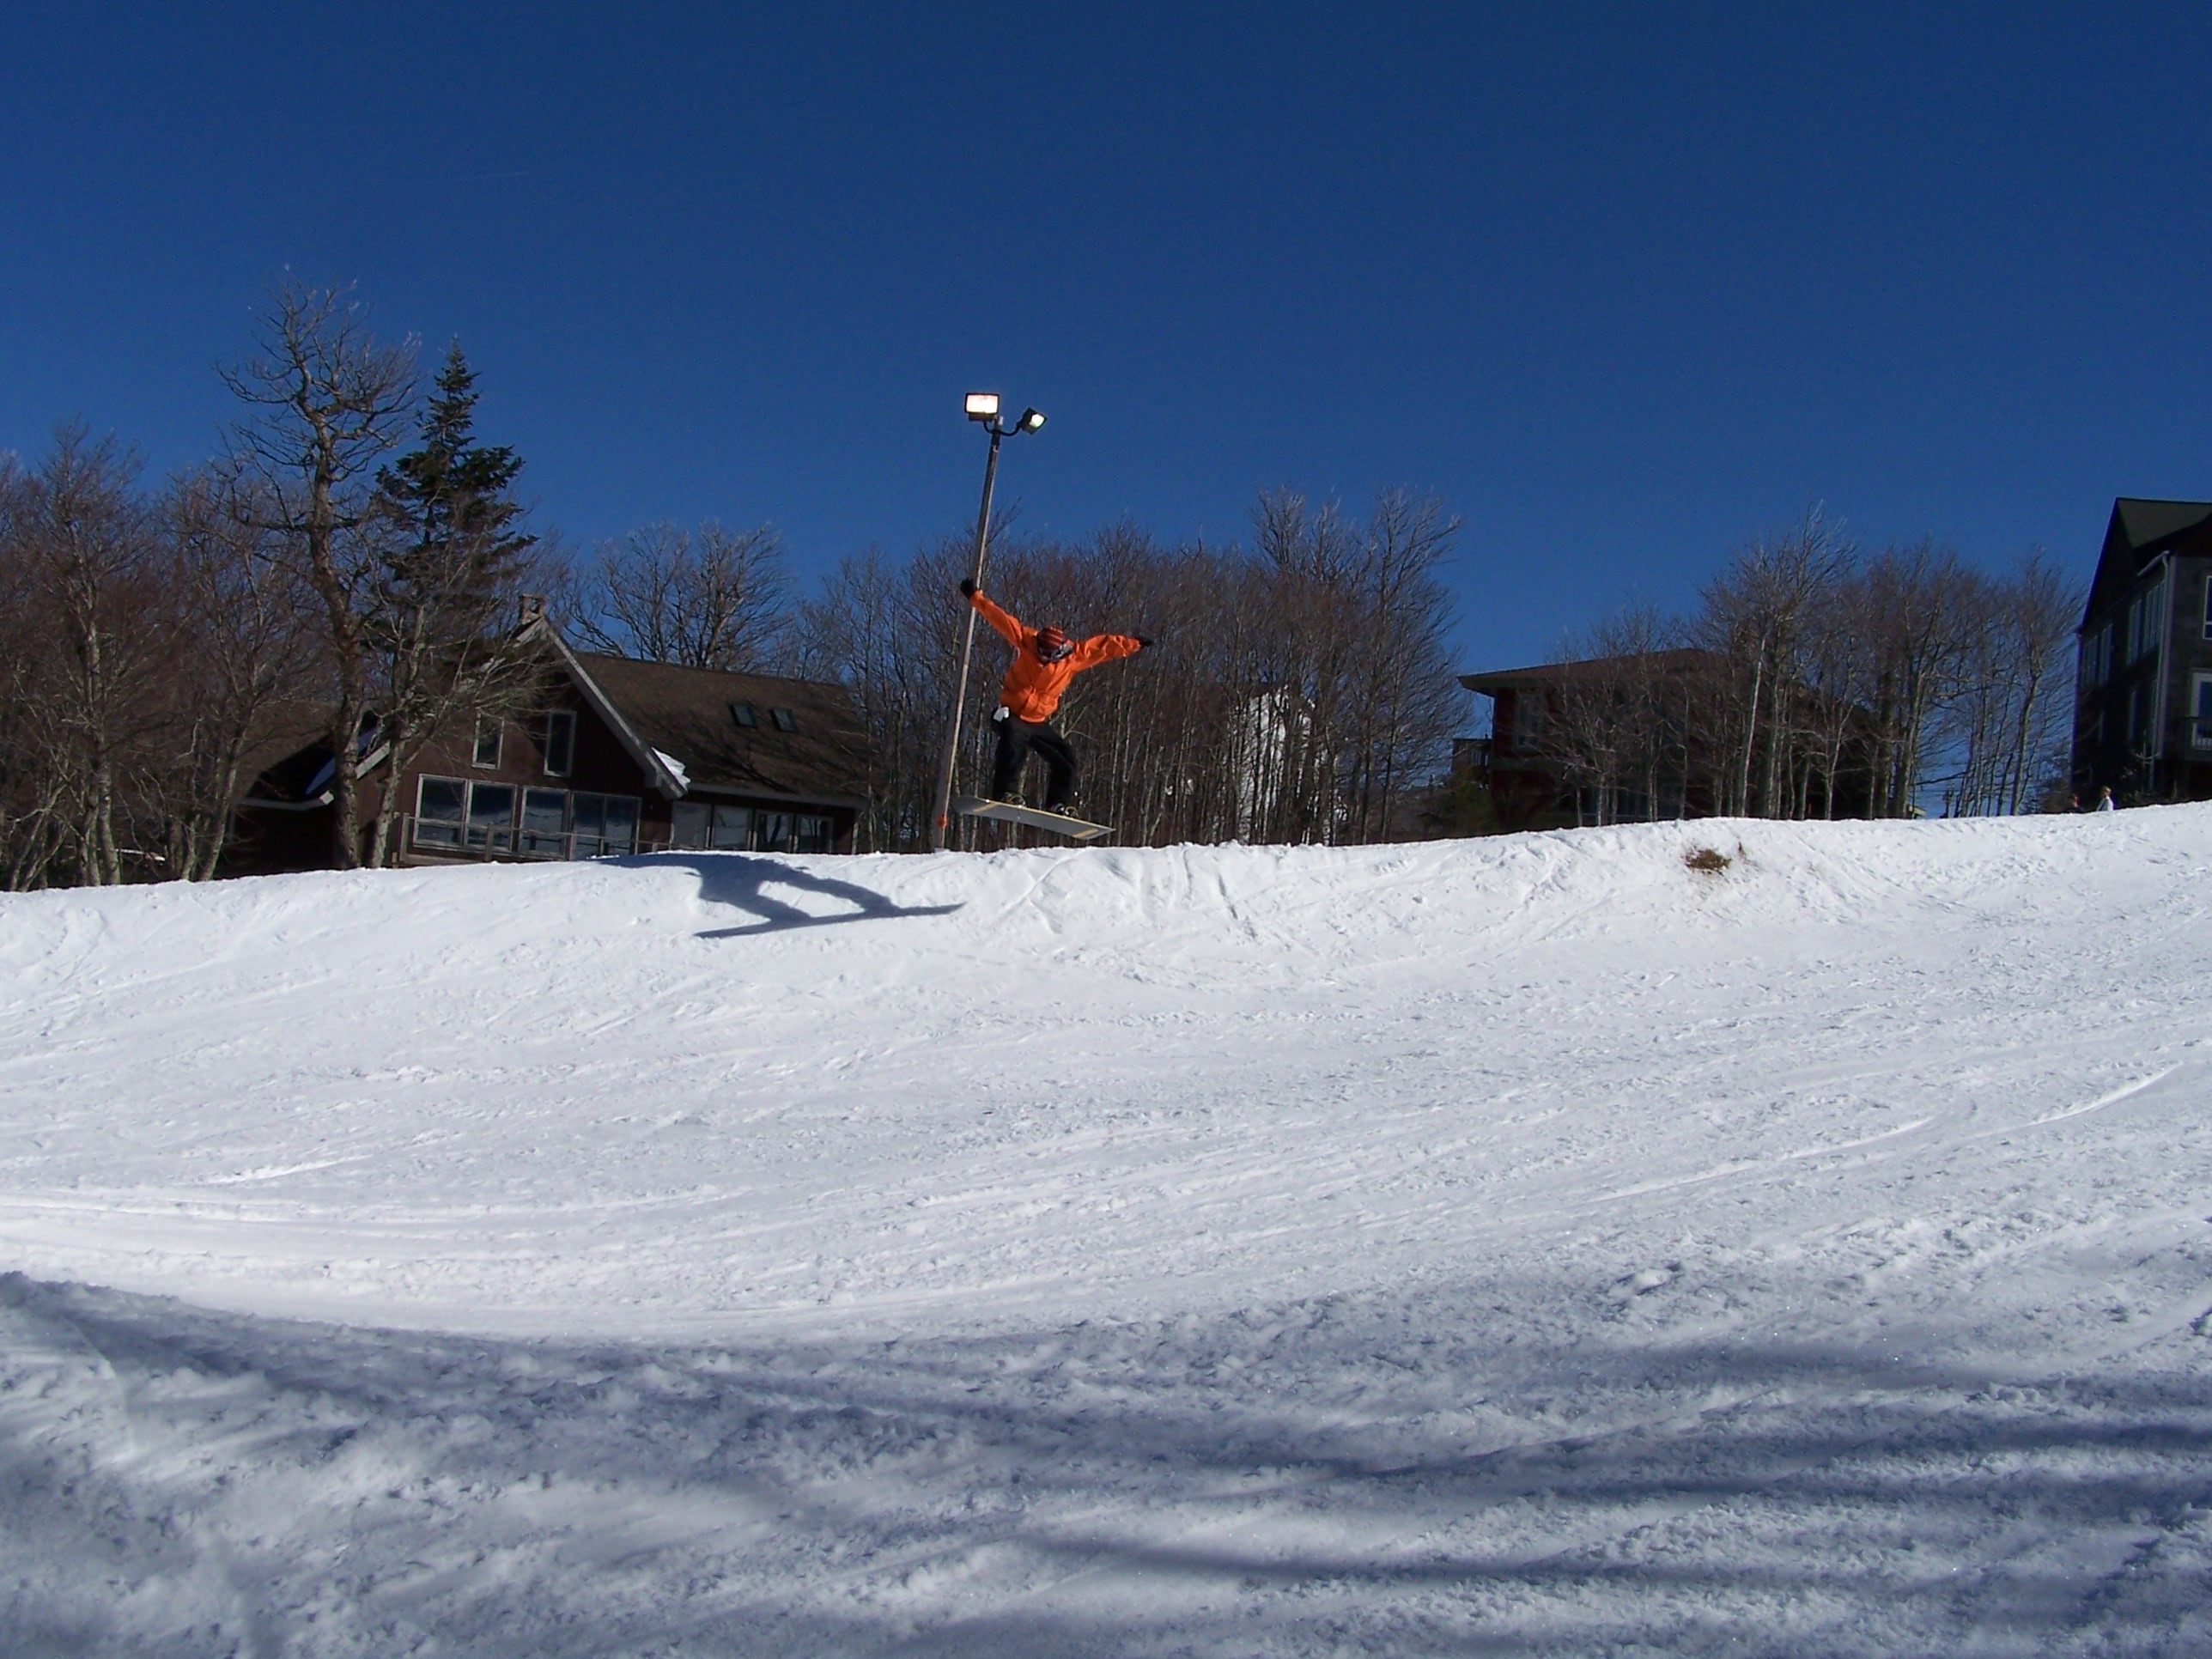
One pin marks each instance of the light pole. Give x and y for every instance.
(982, 406)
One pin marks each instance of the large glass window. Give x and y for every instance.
(560, 742)
(620, 833)
(491, 817)
(588, 817)
(605, 825)
(544, 822)
(487, 737)
(2200, 711)
(730, 829)
(441, 806)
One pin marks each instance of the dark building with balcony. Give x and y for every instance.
(2142, 708)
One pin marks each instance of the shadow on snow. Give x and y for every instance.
(1294, 1479)
(740, 880)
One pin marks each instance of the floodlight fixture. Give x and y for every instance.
(1031, 420)
(982, 406)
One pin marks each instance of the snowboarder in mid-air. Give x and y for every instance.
(1045, 660)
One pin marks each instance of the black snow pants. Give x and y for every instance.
(1016, 739)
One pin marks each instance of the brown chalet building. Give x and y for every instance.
(618, 757)
(2142, 693)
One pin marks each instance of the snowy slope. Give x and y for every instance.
(1525, 1245)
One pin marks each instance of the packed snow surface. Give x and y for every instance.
(1530, 1245)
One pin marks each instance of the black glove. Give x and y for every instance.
(967, 588)
(1143, 641)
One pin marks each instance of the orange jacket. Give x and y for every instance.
(1033, 687)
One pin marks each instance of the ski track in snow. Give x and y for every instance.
(1521, 1246)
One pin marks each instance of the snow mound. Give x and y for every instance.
(1563, 1241)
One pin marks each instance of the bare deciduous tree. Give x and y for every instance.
(326, 403)
(1755, 619)
(1817, 677)
(712, 597)
(1915, 601)
(1298, 690)
(1617, 724)
(246, 655)
(86, 550)
(2007, 714)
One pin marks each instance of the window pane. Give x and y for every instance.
(487, 742)
(442, 799)
(774, 832)
(1527, 719)
(621, 824)
(783, 718)
(733, 828)
(690, 822)
(545, 811)
(544, 821)
(814, 833)
(560, 742)
(491, 816)
(742, 713)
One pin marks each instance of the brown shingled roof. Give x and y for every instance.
(686, 714)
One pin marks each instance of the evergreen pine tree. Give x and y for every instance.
(453, 560)
(453, 495)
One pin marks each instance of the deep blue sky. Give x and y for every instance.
(1625, 285)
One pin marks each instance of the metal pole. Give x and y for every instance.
(943, 821)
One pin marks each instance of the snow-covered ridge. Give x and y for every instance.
(262, 1062)
(1536, 1241)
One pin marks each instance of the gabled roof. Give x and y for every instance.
(675, 723)
(670, 780)
(685, 713)
(2141, 530)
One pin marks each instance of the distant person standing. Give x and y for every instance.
(2105, 800)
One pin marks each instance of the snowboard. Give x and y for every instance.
(1006, 811)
